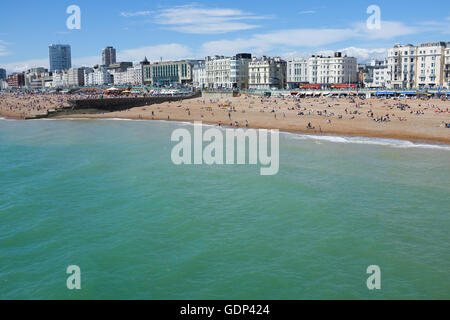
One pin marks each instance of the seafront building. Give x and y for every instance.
(60, 57)
(75, 77)
(424, 66)
(16, 80)
(297, 72)
(98, 76)
(37, 78)
(199, 75)
(2, 74)
(168, 73)
(108, 56)
(3, 85)
(332, 70)
(228, 72)
(267, 73)
(375, 74)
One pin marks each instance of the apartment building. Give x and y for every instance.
(228, 72)
(297, 72)
(75, 77)
(267, 73)
(332, 70)
(423, 66)
(16, 80)
(199, 75)
(108, 56)
(98, 76)
(376, 74)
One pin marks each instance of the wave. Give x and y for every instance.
(370, 141)
(333, 139)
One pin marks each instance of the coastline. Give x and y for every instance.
(329, 117)
(350, 134)
(329, 136)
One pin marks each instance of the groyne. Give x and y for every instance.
(93, 106)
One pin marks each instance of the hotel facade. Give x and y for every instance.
(320, 70)
(426, 66)
(228, 72)
(267, 73)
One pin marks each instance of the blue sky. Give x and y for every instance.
(182, 29)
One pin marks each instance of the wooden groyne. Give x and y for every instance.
(93, 106)
(119, 104)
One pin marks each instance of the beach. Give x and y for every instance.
(412, 120)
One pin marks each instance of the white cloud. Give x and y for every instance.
(307, 12)
(3, 49)
(266, 42)
(388, 30)
(24, 65)
(292, 39)
(362, 54)
(172, 51)
(195, 19)
(135, 14)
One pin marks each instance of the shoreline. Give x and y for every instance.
(308, 133)
(415, 121)
(399, 137)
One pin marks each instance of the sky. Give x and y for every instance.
(172, 30)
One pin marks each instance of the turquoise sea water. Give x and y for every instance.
(104, 195)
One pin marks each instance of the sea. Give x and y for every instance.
(105, 196)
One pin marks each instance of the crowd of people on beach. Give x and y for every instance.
(310, 109)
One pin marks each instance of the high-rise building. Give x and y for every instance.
(2, 74)
(60, 57)
(108, 56)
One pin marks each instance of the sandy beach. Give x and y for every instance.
(413, 120)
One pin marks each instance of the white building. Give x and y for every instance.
(423, 66)
(297, 72)
(134, 75)
(227, 72)
(332, 70)
(34, 78)
(3, 85)
(267, 73)
(119, 77)
(199, 74)
(75, 77)
(447, 68)
(376, 74)
(60, 80)
(98, 77)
